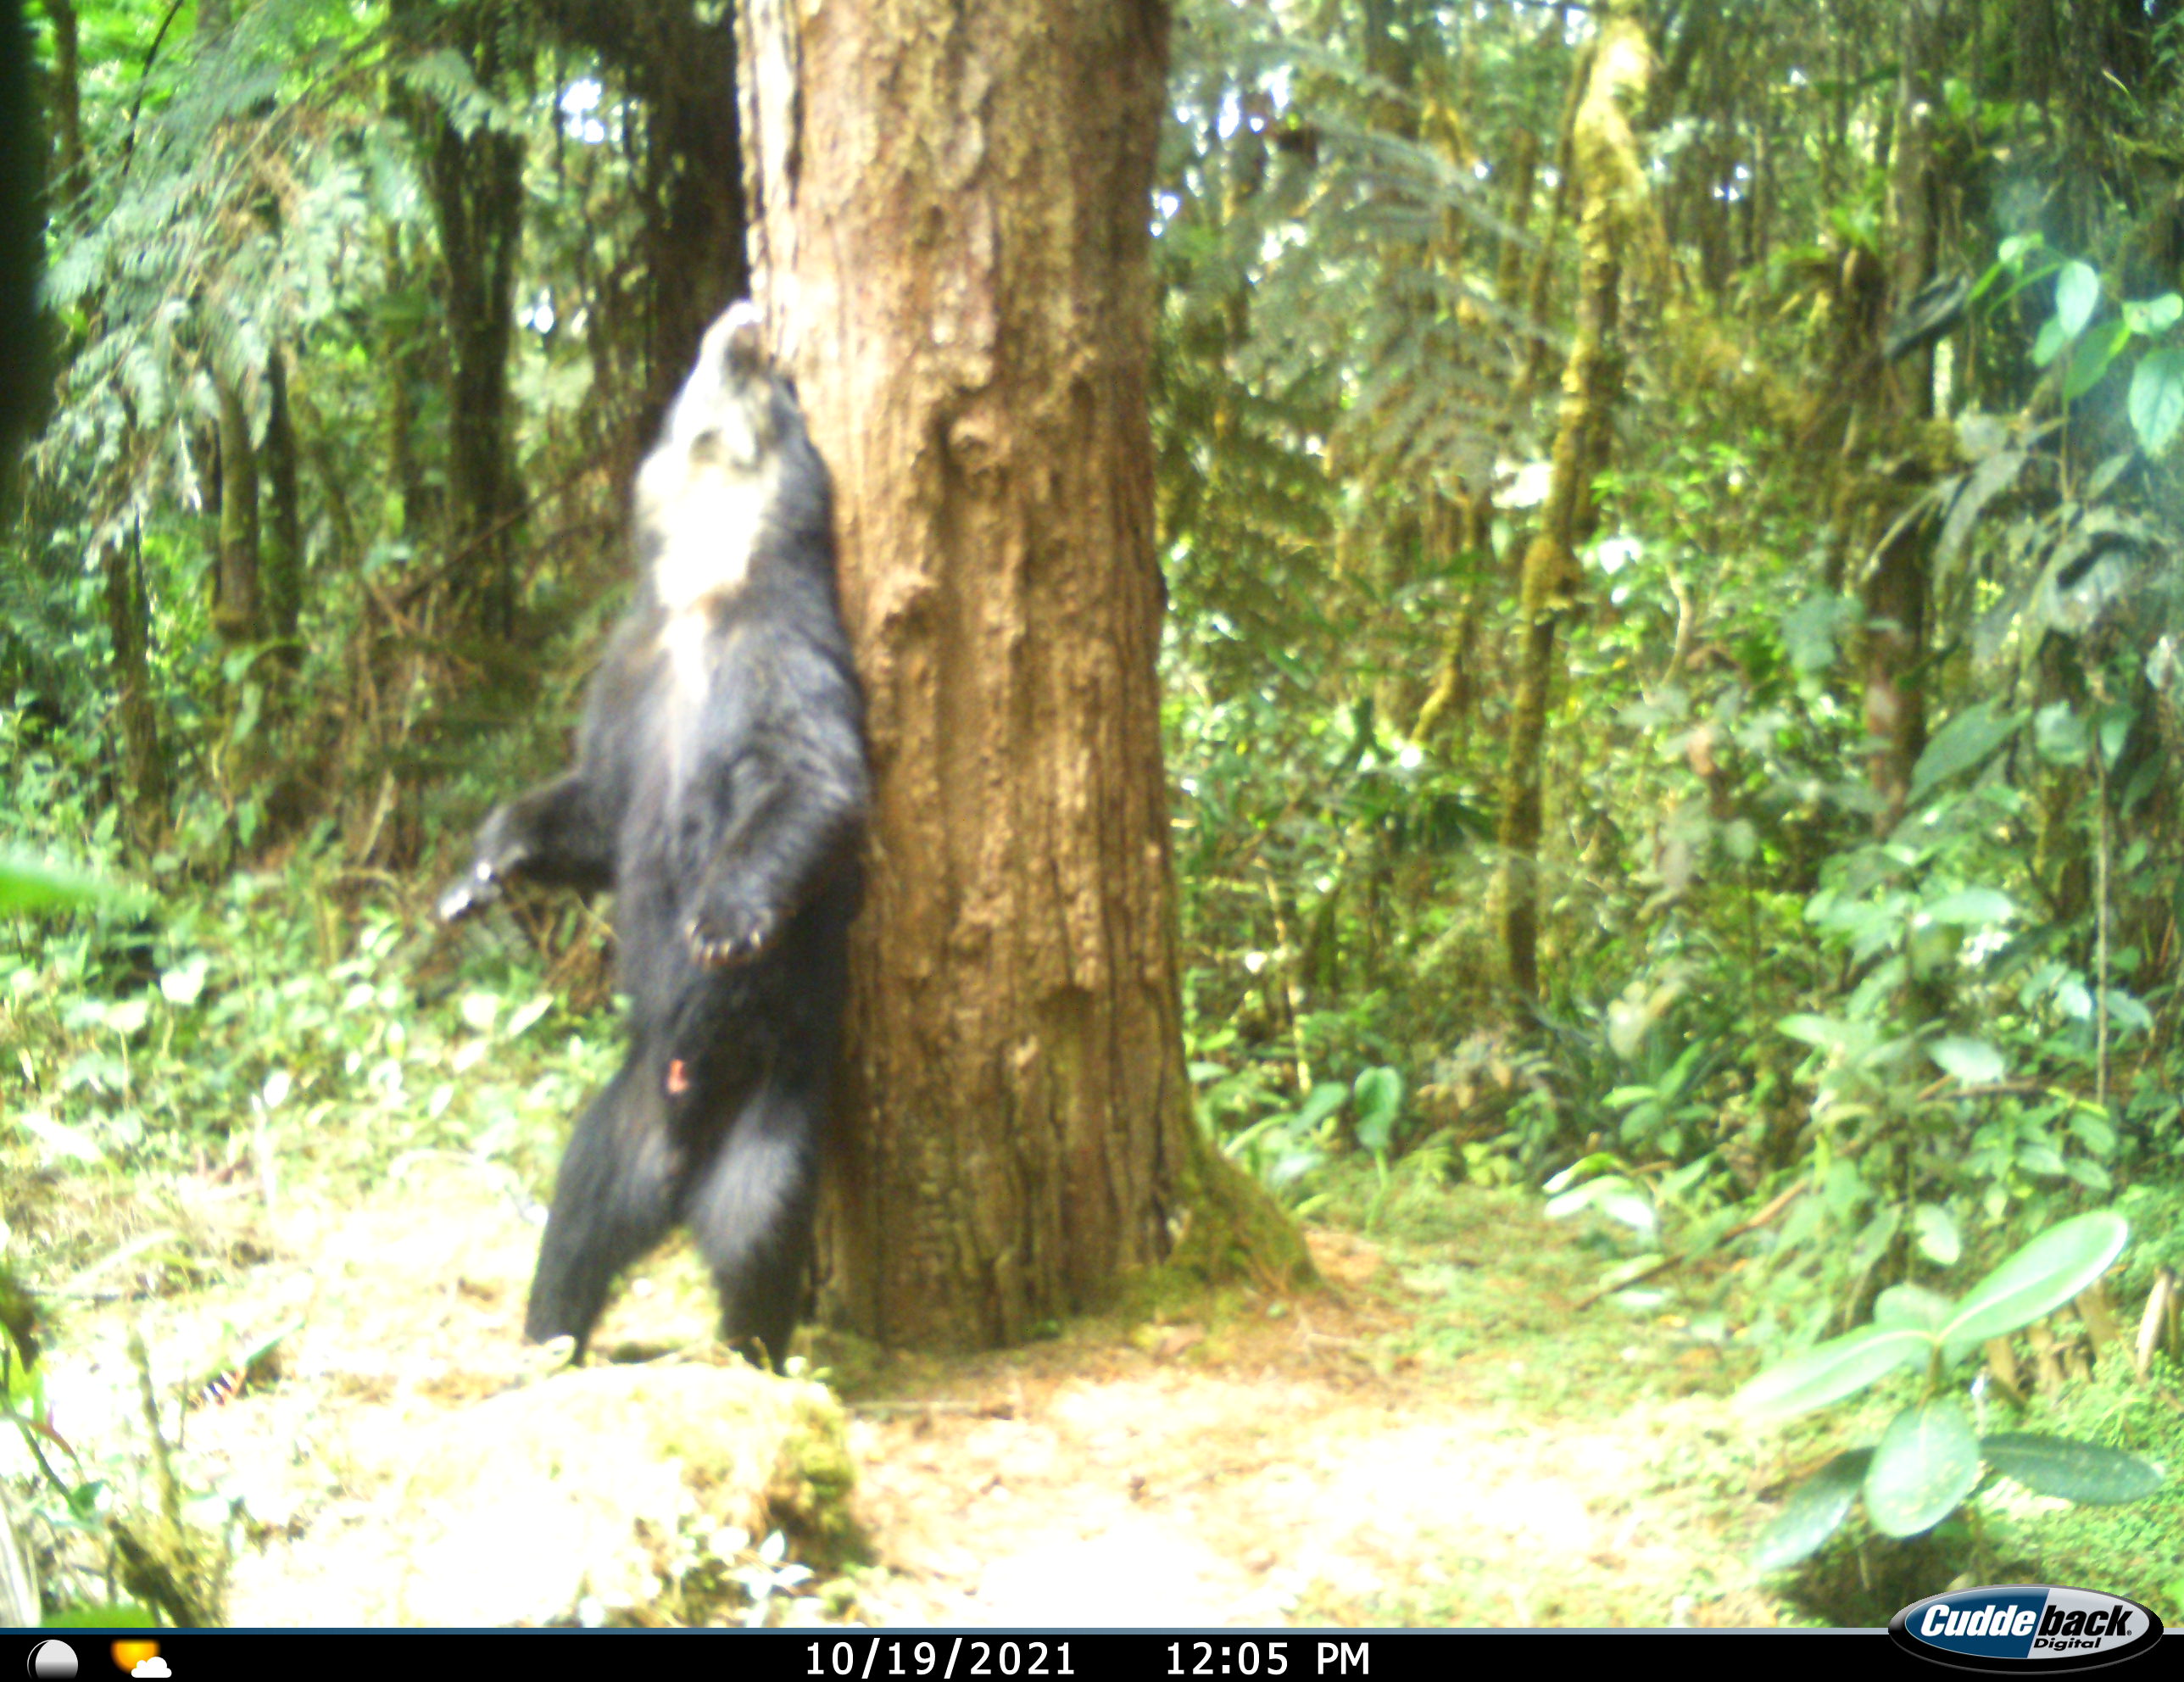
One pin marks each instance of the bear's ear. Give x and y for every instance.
(743, 323)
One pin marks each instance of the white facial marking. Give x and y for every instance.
(701, 494)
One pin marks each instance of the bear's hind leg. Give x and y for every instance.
(751, 1210)
(614, 1201)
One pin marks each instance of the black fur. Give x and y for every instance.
(719, 791)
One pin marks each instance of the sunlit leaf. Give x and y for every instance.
(1814, 1509)
(2084, 1473)
(1964, 743)
(25, 885)
(1913, 1307)
(2077, 295)
(1379, 1097)
(1839, 1367)
(2038, 1279)
(1927, 1462)
(1973, 1062)
(2156, 402)
(1940, 1240)
(2149, 316)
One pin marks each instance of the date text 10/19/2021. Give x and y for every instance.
(974, 1660)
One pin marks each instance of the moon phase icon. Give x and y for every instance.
(52, 1661)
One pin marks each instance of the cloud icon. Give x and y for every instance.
(153, 1666)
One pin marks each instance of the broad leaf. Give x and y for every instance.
(1986, 482)
(1973, 1062)
(1813, 1511)
(2060, 735)
(2090, 363)
(1972, 908)
(2151, 315)
(1321, 1102)
(1841, 1367)
(2077, 295)
(1927, 1462)
(1964, 742)
(1379, 1096)
(1913, 1307)
(2156, 402)
(1941, 1240)
(2038, 1279)
(25, 884)
(2084, 1473)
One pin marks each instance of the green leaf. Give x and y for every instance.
(1973, 1062)
(2149, 316)
(25, 884)
(1379, 1097)
(182, 987)
(1972, 908)
(103, 1615)
(1823, 1033)
(2156, 402)
(2038, 1279)
(2047, 343)
(1598, 1162)
(2084, 1473)
(1911, 1307)
(1941, 1240)
(1612, 1195)
(59, 1139)
(1964, 742)
(1841, 1367)
(531, 1012)
(1815, 1508)
(2077, 295)
(1927, 1462)
(2060, 735)
(1321, 1102)
(2095, 355)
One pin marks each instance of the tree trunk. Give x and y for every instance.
(399, 358)
(1611, 177)
(950, 239)
(476, 183)
(67, 100)
(235, 608)
(1895, 587)
(675, 55)
(143, 772)
(283, 576)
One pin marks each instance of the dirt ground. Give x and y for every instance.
(1343, 1456)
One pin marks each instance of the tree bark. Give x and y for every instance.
(67, 99)
(235, 612)
(1616, 212)
(950, 239)
(283, 573)
(476, 183)
(143, 771)
(1895, 586)
(675, 55)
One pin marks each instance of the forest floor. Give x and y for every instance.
(1440, 1435)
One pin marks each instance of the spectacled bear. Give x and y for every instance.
(719, 791)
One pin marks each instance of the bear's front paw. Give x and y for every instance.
(722, 936)
(474, 892)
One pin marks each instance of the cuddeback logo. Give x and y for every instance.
(2025, 1626)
